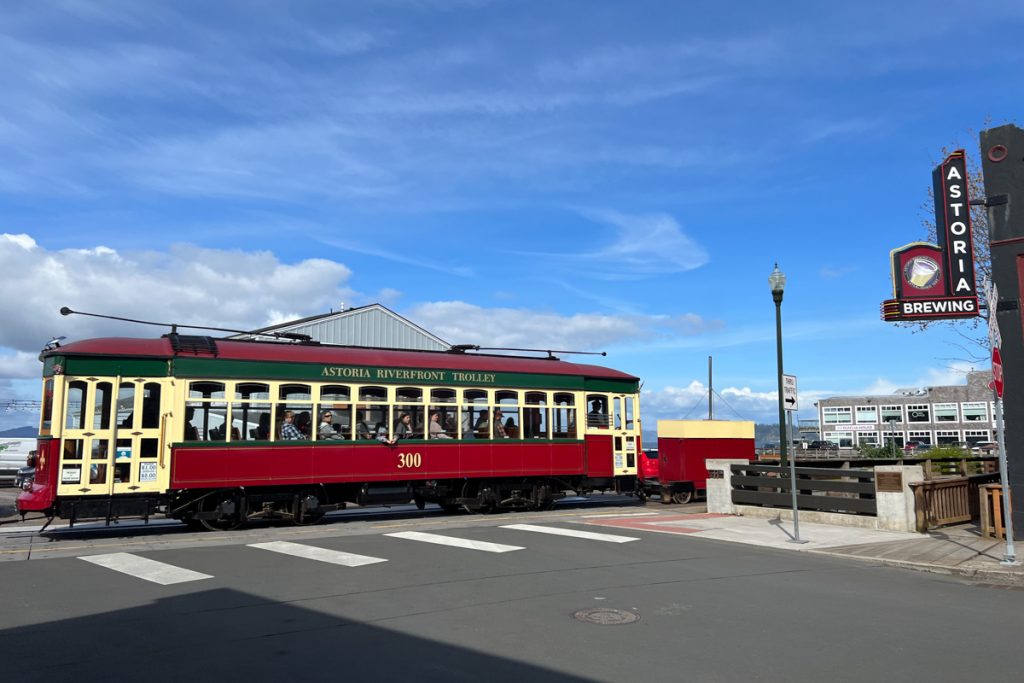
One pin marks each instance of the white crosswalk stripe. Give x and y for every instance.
(145, 568)
(555, 531)
(320, 554)
(455, 542)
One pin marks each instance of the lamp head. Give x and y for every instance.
(777, 280)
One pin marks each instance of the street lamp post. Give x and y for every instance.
(778, 284)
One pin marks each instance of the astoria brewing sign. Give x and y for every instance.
(932, 282)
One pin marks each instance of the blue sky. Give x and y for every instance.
(584, 175)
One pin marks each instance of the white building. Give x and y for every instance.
(934, 415)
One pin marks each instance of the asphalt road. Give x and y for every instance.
(698, 609)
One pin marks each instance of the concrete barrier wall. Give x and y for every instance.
(719, 484)
(895, 507)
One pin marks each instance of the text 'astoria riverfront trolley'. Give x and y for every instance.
(216, 432)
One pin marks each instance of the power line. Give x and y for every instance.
(12, 405)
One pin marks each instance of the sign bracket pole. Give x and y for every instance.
(1010, 556)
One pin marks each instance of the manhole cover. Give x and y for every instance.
(605, 617)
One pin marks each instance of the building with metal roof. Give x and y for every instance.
(373, 325)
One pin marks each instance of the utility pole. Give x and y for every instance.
(1002, 160)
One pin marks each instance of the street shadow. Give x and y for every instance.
(228, 635)
(989, 547)
(777, 521)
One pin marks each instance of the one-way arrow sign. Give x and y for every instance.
(789, 392)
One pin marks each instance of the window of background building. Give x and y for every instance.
(947, 437)
(923, 437)
(867, 414)
(867, 439)
(973, 436)
(837, 415)
(945, 412)
(889, 438)
(918, 413)
(892, 413)
(842, 439)
(975, 412)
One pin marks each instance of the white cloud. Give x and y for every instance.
(462, 323)
(641, 245)
(20, 364)
(187, 284)
(691, 403)
(648, 243)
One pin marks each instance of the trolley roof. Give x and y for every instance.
(171, 347)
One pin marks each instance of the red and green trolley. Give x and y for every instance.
(193, 428)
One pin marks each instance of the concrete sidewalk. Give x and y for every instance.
(955, 551)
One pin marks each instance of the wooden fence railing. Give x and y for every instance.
(824, 489)
(950, 500)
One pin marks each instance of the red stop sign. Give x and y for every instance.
(997, 372)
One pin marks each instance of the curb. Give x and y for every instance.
(1003, 577)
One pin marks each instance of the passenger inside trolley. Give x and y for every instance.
(403, 428)
(436, 430)
(302, 422)
(191, 433)
(327, 428)
(362, 427)
(263, 428)
(288, 429)
(597, 417)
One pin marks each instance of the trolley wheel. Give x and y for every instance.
(666, 497)
(310, 516)
(682, 497)
(228, 523)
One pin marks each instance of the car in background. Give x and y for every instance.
(916, 447)
(822, 446)
(25, 475)
(986, 447)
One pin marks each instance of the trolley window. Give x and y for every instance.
(74, 409)
(408, 395)
(295, 392)
(335, 392)
(442, 396)
(101, 410)
(598, 415)
(535, 415)
(475, 414)
(563, 417)
(126, 406)
(206, 390)
(46, 416)
(151, 405)
(508, 403)
(376, 394)
(252, 391)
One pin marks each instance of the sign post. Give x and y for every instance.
(1010, 556)
(789, 400)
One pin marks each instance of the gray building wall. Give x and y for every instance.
(372, 325)
(919, 418)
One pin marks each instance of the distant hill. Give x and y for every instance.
(19, 433)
